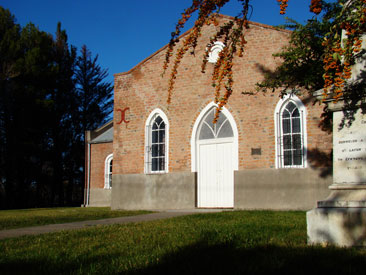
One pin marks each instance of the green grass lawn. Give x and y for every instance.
(41, 216)
(239, 242)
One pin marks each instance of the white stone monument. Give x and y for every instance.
(340, 219)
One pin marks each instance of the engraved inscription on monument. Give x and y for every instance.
(350, 151)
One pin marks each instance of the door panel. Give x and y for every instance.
(225, 174)
(215, 175)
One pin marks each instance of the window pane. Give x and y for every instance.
(297, 157)
(110, 166)
(287, 142)
(162, 136)
(158, 120)
(156, 123)
(287, 158)
(154, 164)
(209, 119)
(296, 125)
(286, 128)
(296, 113)
(226, 130)
(206, 132)
(285, 114)
(155, 135)
(161, 150)
(220, 121)
(155, 150)
(290, 106)
(296, 141)
(162, 125)
(161, 164)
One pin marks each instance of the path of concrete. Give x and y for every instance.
(35, 230)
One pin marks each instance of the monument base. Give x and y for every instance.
(338, 226)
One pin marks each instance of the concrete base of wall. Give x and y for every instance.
(282, 189)
(159, 191)
(339, 226)
(100, 197)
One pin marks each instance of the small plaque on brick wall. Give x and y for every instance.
(256, 151)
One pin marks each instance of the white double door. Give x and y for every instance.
(215, 174)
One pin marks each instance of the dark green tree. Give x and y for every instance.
(25, 62)
(63, 103)
(48, 98)
(95, 95)
(95, 102)
(302, 65)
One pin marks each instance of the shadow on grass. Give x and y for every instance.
(202, 258)
(226, 259)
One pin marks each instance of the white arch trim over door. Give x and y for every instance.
(195, 130)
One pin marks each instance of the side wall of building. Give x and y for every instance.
(98, 195)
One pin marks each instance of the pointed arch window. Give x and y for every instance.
(156, 159)
(108, 165)
(290, 133)
(221, 129)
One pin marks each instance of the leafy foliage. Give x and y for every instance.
(302, 65)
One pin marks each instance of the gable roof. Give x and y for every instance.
(185, 33)
(107, 136)
(102, 134)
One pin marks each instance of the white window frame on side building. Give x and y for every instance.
(108, 164)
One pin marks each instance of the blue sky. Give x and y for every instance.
(124, 32)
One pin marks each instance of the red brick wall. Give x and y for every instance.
(98, 153)
(142, 89)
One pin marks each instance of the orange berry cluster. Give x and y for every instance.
(339, 57)
(316, 6)
(336, 73)
(283, 6)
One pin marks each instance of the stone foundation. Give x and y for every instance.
(341, 226)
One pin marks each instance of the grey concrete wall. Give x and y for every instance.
(280, 188)
(253, 189)
(159, 191)
(100, 197)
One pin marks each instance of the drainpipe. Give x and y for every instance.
(88, 187)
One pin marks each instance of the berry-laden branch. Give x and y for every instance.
(343, 46)
(340, 54)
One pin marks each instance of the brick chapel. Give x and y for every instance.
(259, 155)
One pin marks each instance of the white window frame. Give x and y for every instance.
(279, 132)
(107, 172)
(148, 140)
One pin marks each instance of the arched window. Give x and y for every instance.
(221, 129)
(290, 117)
(156, 139)
(108, 171)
